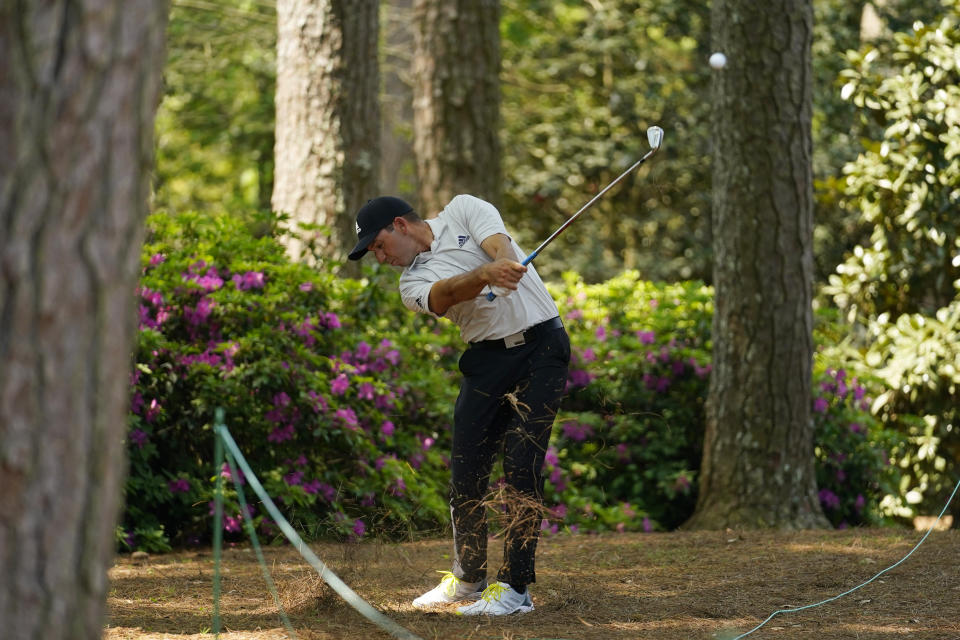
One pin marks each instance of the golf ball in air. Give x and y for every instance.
(718, 60)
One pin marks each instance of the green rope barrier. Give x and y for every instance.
(217, 525)
(344, 591)
(248, 523)
(848, 592)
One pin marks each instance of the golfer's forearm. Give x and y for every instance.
(446, 293)
(504, 270)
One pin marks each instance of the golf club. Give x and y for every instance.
(654, 138)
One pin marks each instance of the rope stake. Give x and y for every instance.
(217, 527)
(248, 523)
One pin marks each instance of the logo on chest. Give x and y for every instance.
(462, 240)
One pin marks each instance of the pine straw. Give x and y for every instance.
(667, 586)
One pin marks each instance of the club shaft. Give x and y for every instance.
(536, 252)
(566, 224)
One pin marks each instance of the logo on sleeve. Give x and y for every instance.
(420, 302)
(462, 240)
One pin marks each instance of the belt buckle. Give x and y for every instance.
(515, 340)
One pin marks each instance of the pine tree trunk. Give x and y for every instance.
(398, 169)
(457, 100)
(758, 465)
(328, 118)
(79, 86)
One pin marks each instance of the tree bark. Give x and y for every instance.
(328, 118)
(79, 87)
(457, 100)
(398, 170)
(758, 464)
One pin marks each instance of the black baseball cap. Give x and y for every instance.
(374, 216)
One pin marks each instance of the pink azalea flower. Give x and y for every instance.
(318, 402)
(363, 351)
(231, 524)
(331, 320)
(359, 528)
(210, 282)
(281, 434)
(225, 472)
(349, 418)
(552, 458)
(136, 403)
(623, 452)
(180, 485)
(339, 385)
(249, 280)
(153, 410)
(366, 391)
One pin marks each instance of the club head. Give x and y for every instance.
(655, 137)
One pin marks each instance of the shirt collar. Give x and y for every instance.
(438, 226)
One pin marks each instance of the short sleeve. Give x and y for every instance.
(478, 216)
(415, 294)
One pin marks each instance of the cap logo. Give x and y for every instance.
(358, 228)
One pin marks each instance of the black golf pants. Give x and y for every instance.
(507, 405)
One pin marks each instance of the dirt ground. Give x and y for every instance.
(670, 586)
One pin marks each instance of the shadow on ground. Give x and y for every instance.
(670, 586)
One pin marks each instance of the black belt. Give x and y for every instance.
(521, 337)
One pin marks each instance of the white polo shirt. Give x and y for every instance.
(458, 231)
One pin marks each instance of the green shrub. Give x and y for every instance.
(335, 395)
(626, 449)
(904, 181)
(915, 362)
(918, 358)
(341, 399)
(900, 292)
(853, 449)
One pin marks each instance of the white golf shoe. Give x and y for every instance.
(499, 599)
(451, 589)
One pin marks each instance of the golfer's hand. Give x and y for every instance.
(500, 292)
(504, 273)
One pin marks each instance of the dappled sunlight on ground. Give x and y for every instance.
(668, 586)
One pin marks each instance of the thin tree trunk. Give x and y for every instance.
(328, 118)
(457, 100)
(79, 86)
(758, 465)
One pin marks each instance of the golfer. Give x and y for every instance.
(514, 372)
